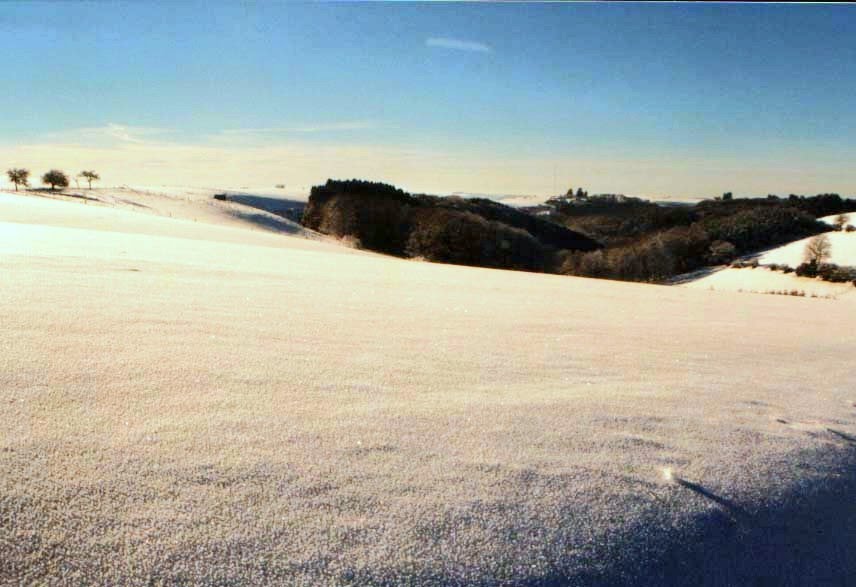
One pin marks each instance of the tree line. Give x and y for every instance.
(644, 241)
(54, 178)
(479, 232)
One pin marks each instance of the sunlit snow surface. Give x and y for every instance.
(215, 403)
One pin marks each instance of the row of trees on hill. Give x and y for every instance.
(54, 178)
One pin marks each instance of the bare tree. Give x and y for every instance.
(55, 178)
(840, 221)
(89, 176)
(19, 177)
(818, 250)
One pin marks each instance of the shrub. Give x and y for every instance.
(835, 274)
(806, 270)
(827, 272)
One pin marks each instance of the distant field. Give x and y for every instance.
(214, 403)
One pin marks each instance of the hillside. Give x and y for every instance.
(476, 231)
(764, 280)
(240, 209)
(206, 403)
(647, 241)
(843, 248)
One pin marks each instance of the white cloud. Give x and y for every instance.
(458, 44)
(111, 132)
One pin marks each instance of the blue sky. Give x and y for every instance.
(679, 100)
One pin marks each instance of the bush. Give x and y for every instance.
(806, 270)
(835, 274)
(827, 272)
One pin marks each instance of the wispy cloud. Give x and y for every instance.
(111, 132)
(458, 44)
(304, 129)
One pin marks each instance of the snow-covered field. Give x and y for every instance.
(242, 209)
(762, 280)
(213, 403)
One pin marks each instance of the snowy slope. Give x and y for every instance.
(761, 280)
(243, 209)
(851, 218)
(843, 250)
(181, 404)
(765, 281)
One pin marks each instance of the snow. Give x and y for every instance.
(851, 218)
(215, 403)
(762, 280)
(843, 250)
(765, 281)
(244, 209)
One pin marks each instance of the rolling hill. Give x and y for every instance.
(763, 280)
(214, 403)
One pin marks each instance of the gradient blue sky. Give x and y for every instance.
(672, 100)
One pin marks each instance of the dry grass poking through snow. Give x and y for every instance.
(208, 412)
